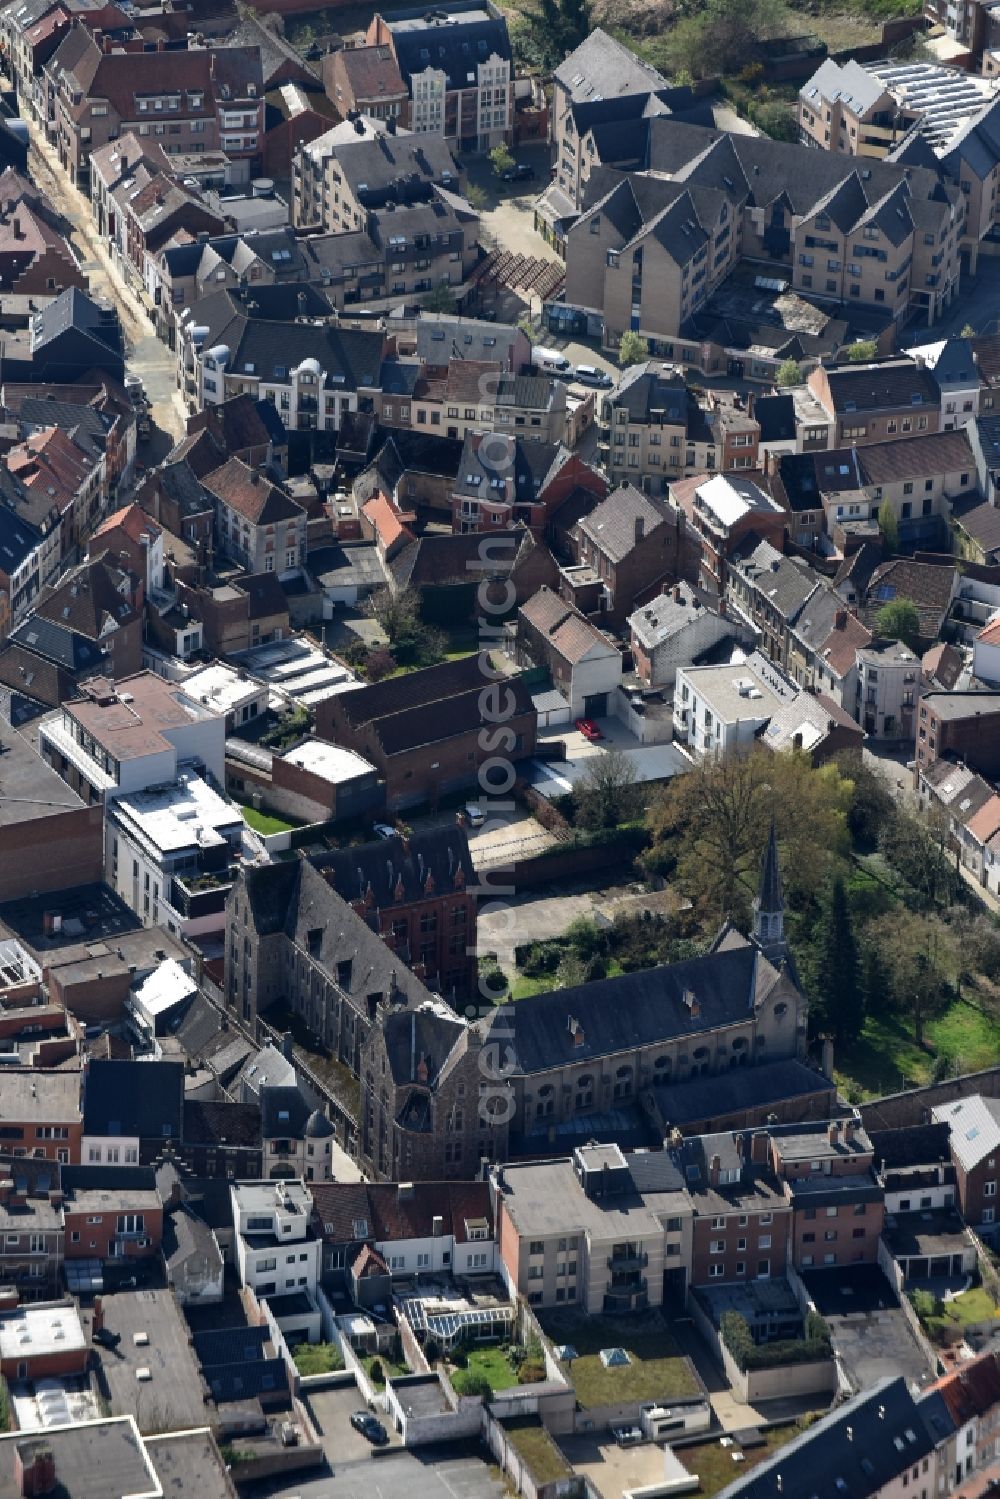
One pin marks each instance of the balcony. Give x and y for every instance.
(636, 1300)
(631, 1259)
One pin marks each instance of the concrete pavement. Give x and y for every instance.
(150, 359)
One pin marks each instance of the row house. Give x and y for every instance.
(838, 1205)
(28, 556)
(652, 429)
(721, 511)
(435, 1228)
(970, 809)
(504, 479)
(365, 80)
(477, 398)
(277, 346)
(258, 523)
(63, 486)
(99, 417)
(625, 551)
(879, 402)
(189, 102)
(971, 1394)
(960, 725)
(839, 493)
(31, 32)
(770, 592)
(35, 259)
(649, 252)
(457, 65)
(184, 272)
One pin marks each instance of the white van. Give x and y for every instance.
(551, 362)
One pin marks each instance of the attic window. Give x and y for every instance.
(359, 1228)
(315, 940)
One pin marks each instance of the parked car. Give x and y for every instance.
(589, 729)
(370, 1427)
(589, 374)
(383, 830)
(520, 172)
(474, 814)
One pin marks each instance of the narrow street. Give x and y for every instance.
(150, 359)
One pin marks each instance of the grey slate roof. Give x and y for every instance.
(611, 527)
(601, 67)
(380, 867)
(975, 1128)
(636, 1009)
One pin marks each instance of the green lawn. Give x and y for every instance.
(317, 1358)
(658, 1371)
(887, 1059)
(263, 822)
(714, 1467)
(491, 1363)
(532, 1442)
(976, 1305)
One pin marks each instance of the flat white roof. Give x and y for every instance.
(221, 687)
(189, 813)
(723, 499)
(328, 761)
(34, 1330)
(165, 987)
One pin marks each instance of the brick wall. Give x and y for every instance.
(57, 852)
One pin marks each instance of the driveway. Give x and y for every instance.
(871, 1336)
(508, 218)
(442, 1474)
(330, 1410)
(978, 303)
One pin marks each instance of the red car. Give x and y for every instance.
(588, 729)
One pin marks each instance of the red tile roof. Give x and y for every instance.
(972, 1389)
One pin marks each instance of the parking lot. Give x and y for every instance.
(871, 1335)
(330, 1410)
(443, 1474)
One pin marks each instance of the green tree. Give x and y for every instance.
(789, 373)
(552, 29)
(472, 1382)
(440, 298)
(476, 197)
(918, 950)
(889, 526)
(713, 823)
(501, 160)
(632, 349)
(875, 980)
(861, 351)
(606, 793)
(777, 119)
(718, 37)
(899, 620)
(837, 981)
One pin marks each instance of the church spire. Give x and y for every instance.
(769, 907)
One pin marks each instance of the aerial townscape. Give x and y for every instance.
(500, 749)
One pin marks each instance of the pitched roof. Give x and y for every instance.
(927, 585)
(253, 494)
(603, 67)
(975, 1128)
(635, 1009)
(396, 870)
(972, 1389)
(878, 387)
(569, 635)
(623, 521)
(390, 1212)
(90, 598)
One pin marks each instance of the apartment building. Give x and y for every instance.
(363, 165)
(474, 397)
(838, 1206)
(434, 1228)
(770, 592)
(972, 159)
(600, 1231)
(121, 737)
(625, 551)
(962, 725)
(844, 107)
(649, 252)
(188, 101)
(278, 1252)
(879, 402)
(40, 1114)
(600, 81)
(975, 1150)
(457, 65)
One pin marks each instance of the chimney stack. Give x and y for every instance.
(833, 1132)
(714, 1170)
(639, 529)
(34, 1468)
